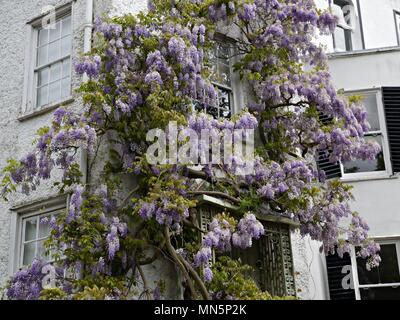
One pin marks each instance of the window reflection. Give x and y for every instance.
(370, 103)
(220, 60)
(387, 272)
(359, 166)
(376, 282)
(382, 293)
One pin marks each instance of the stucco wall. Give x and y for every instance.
(379, 65)
(16, 137)
(366, 70)
(121, 7)
(309, 266)
(378, 22)
(377, 200)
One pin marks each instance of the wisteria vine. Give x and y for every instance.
(149, 69)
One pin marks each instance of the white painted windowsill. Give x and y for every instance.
(45, 109)
(368, 177)
(361, 52)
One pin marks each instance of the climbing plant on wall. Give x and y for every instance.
(147, 71)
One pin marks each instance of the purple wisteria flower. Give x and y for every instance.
(153, 78)
(75, 204)
(89, 66)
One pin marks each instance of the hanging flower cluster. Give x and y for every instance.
(27, 283)
(223, 233)
(55, 147)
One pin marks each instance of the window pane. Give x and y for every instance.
(370, 104)
(55, 31)
(43, 36)
(54, 51)
(388, 293)
(387, 272)
(55, 72)
(66, 46)
(213, 111)
(251, 257)
(29, 253)
(44, 229)
(377, 164)
(43, 77)
(220, 61)
(66, 26)
(30, 229)
(224, 97)
(42, 56)
(270, 260)
(223, 52)
(66, 69)
(340, 40)
(224, 75)
(65, 87)
(54, 91)
(41, 253)
(42, 94)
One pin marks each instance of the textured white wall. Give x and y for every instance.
(16, 137)
(309, 266)
(377, 200)
(121, 7)
(378, 22)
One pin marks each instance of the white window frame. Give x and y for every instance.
(29, 104)
(357, 40)
(349, 33)
(52, 205)
(387, 173)
(357, 286)
(38, 216)
(230, 89)
(236, 95)
(396, 15)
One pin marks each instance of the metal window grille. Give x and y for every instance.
(270, 257)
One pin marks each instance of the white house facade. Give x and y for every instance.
(39, 42)
(365, 60)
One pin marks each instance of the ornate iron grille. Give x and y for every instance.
(276, 267)
(270, 257)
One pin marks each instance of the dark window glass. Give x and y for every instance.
(386, 293)
(387, 272)
(271, 260)
(223, 109)
(359, 166)
(220, 60)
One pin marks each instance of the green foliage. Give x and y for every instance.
(231, 278)
(7, 184)
(92, 293)
(53, 294)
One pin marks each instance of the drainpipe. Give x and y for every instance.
(87, 47)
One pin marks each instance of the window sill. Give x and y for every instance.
(54, 202)
(361, 177)
(45, 109)
(345, 54)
